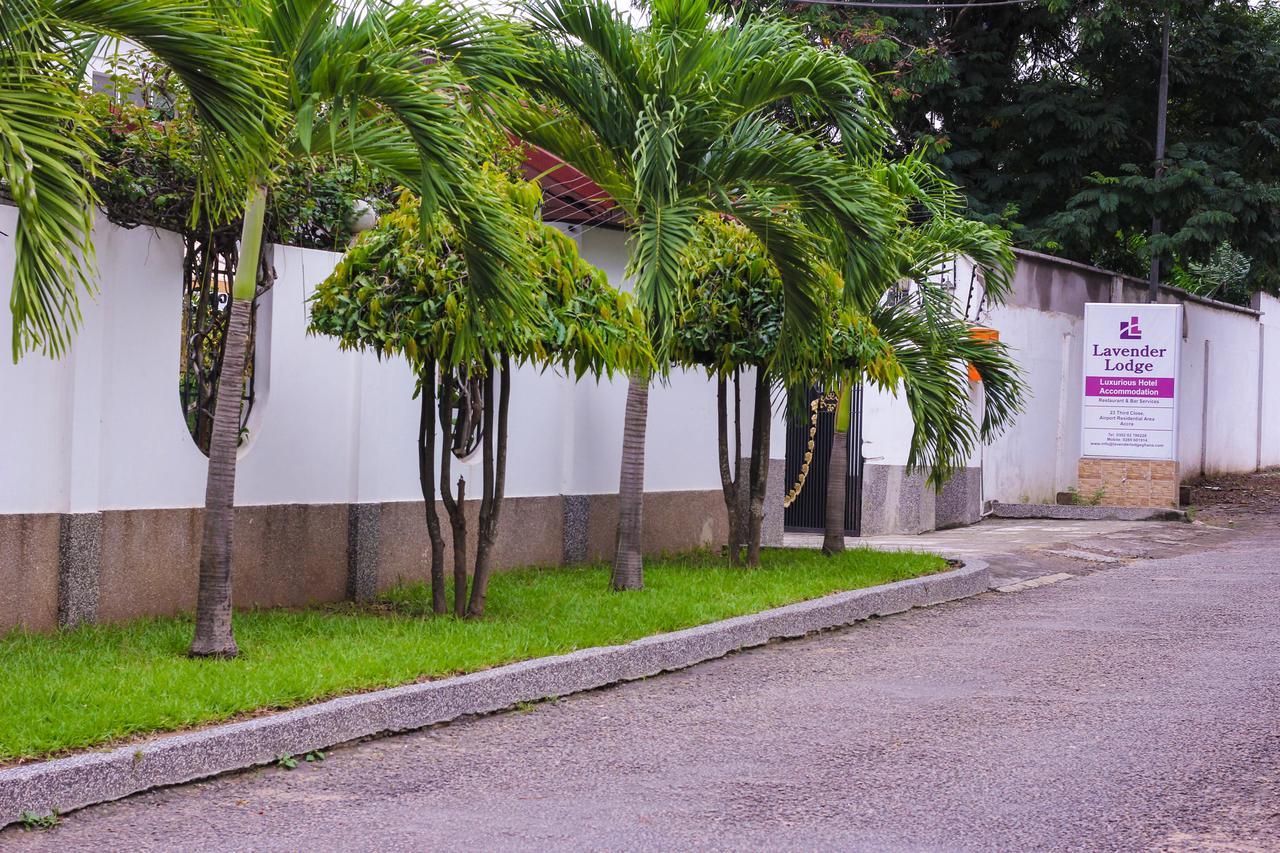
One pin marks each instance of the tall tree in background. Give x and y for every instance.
(1044, 113)
(678, 118)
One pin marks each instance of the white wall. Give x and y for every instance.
(1043, 323)
(1036, 458)
(1218, 406)
(1268, 427)
(35, 411)
(102, 428)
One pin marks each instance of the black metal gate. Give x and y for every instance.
(807, 512)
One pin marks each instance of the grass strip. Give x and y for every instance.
(98, 684)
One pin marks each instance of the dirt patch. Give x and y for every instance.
(1237, 498)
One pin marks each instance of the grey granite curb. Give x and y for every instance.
(1075, 512)
(83, 780)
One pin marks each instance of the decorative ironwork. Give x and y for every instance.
(209, 268)
(825, 403)
(809, 446)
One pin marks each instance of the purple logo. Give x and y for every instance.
(1130, 330)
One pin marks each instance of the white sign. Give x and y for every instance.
(1131, 380)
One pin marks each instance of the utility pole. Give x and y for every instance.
(1162, 116)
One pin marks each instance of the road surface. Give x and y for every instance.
(1133, 707)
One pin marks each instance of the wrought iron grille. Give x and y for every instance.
(208, 271)
(807, 512)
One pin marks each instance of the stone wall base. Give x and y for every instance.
(898, 501)
(68, 569)
(1129, 482)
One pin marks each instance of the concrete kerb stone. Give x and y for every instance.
(83, 780)
(1084, 512)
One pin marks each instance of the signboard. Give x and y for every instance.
(1131, 381)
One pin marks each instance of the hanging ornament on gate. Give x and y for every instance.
(821, 403)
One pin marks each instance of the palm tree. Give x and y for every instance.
(678, 118)
(46, 139)
(928, 339)
(383, 83)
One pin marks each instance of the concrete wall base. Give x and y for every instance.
(70, 569)
(960, 501)
(896, 501)
(771, 530)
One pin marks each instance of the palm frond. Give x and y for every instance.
(659, 239)
(935, 354)
(606, 41)
(45, 151)
(229, 74)
(47, 145)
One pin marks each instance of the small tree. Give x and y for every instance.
(729, 320)
(403, 289)
(678, 117)
(929, 338)
(912, 338)
(392, 85)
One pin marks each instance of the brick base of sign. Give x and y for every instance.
(1129, 482)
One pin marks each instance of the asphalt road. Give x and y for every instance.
(1135, 707)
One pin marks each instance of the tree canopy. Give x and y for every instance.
(911, 337)
(402, 289)
(1044, 113)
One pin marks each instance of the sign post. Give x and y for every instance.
(1129, 418)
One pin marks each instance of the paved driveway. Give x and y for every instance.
(1135, 707)
(1020, 549)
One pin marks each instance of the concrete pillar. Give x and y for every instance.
(960, 501)
(773, 509)
(363, 529)
(79, 568)
(576, 519)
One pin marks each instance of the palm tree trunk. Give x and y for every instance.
(838, 475)
(727, 484)
(427, 482)
(495, 486)
(761, 426)
(455, 508)
(213, 633)
(628, 564)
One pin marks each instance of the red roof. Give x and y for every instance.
(567, 194)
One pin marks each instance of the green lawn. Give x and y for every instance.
(98, 684)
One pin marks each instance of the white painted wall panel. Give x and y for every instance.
(1218, 408)
(35, 410)
(1269, 341)
(1036, 457)
(102, 428)
(146, 456)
